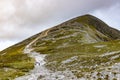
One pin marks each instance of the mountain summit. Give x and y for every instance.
(83, 48)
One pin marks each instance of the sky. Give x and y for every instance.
(20, 19)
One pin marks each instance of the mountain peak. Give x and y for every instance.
(98, 24)
(92, 22)
(87, 15)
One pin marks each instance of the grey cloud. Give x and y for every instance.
(22, 18)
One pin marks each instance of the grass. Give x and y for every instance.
(15, 61)
(88, 57)
(10, 74)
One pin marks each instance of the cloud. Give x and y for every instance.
(22, 18)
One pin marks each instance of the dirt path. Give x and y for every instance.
(39, 69)
(28, 47)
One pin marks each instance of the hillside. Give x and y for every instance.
(79, 49)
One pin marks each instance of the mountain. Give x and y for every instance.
(83, 48)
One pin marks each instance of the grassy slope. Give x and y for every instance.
(77, 37)
(87, 54)
(13, 62)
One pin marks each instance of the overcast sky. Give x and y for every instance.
(20, 19)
